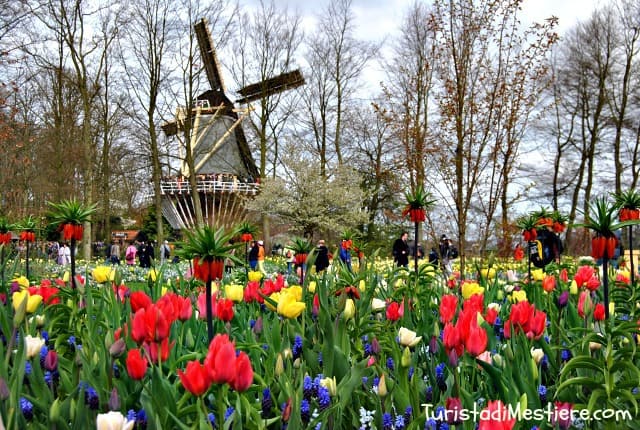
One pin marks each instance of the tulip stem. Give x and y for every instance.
(209, 305)
(605, 284)
(631, 254)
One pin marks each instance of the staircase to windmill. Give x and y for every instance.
(226, 174)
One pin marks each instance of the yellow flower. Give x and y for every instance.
(312, 287)
(471, 288)
(66, 276)
(349, 309)
(22, 281)
(255, 276)
(276, 298)
(537, 274)
(153, 275)
(289, 307)
(573, 289)
(102, 274)
(408, 337)
(234, 292)
(382, 386)
(32, 301)
(518, 296)
(362, 286)
(296, 291)
(489, 273)
(329, 384)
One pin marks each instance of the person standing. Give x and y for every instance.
(64, 254)
(115, 253)
(145, 254)
(261, 254)
(345, 254)
(130, 254)
(322, 256)
(253, 255)
(401, 250)
(165, 252)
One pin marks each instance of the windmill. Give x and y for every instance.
(225, 170)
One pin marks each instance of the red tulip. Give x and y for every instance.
(221, 353)
(490, 316)
(584, 303)
(395, 311)
(149, 325)
(586, 277)
(598, 312)
(448, 306)
(252, 292)
(243, 373)
(159, 351)
(476, 341)
(453, 410)
(224, 309)
(139, 300)
(496, 417)
(451, 339)
(136, 364)
(195, 378)
(549, 283)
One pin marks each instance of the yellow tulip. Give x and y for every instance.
(349, 309)
(489, 273)
(295, 291)
(255, 276)
(32, 301)
(276, 298)
(405, 360)
(573, 289)
(518, 296)
(279, 369)
(289, 307)
(22, 281)
(102, 274)
(234, 292)
(471, 288)
(362, 286)
(537, 274)
(66, 276)
(312, 287)
(382, 386)
(330, 385)
(153, 275)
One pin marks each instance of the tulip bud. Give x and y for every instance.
(453, 358)
(20, 300)
(405, 361)
(51, 360)
(594, 346)
(497, 360)
(537, 354)
(330, 384)
(349, 309)
(4, 390)
(534, 369)
(612, 308)
(371, 361)
(117, 348)
(114, 400)
(382, 386)
(375, 346)
(433, 345)
(279, 365)
(287, 353)
(573, 289)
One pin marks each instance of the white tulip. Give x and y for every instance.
(33, 345)
(408, 337)
(113, 420)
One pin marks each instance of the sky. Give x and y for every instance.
(377, 19)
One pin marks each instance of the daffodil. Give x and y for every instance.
(471, 288)
(408, 337)
(234, 292)
(489, 273)
(152, 275)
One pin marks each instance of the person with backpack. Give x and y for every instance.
(165, 252)
(130, 254)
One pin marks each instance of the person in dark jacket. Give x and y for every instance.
(322, 256)
(253, 255)
(401, 250)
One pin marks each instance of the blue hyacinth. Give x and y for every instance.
(297, 347)
(91, 397)
(399, 423)
(324, 399)
(440, 381)
(307, 387)
(212, 419)
(430, 424)
(387, 421)
(408, 412)
(542, 392)
(429, 394)
(267, 403)
(565, 355)
(27, 408)
(390, 364)
(305, 411)
(230, 410)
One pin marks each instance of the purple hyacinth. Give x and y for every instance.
(230, 410)
(307, 387)
(440, 380)
(542, 392)
(212, 419)
(429, 394)
(91, 397)
(324, 399)
(408, 412)
(390, 364)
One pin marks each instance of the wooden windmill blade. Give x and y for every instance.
(208, 55)
(271, 86)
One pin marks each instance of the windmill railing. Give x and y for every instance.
(178, 186)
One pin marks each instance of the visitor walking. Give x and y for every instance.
(114, 252)
(401, 250)
(253, 255)
(64, 255)
(345, 254)
(322, 256)
(130, 254)
(165, 252)
(261, 254)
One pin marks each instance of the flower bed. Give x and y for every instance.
(378, 348)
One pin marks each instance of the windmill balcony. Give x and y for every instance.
(173, 186)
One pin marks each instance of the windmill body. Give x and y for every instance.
(225, 170)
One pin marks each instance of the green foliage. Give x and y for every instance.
(206, 241)
(70, 212)
(629, 199)
(420, 199)
(150, 228)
